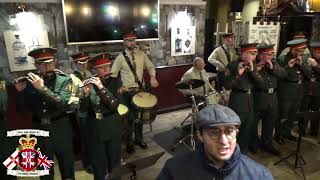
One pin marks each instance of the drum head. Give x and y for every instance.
(144, 100)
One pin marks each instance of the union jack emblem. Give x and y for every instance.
(28, 159)
(44, 162)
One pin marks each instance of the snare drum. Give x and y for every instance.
(145, 102)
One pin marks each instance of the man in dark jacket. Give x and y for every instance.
(218, 156)
(100, 102)
(291, 88)
(265, 98)
(239, 76)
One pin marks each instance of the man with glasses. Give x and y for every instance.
(239, 77)
(46, 95)
(218, 156)
(129, 67)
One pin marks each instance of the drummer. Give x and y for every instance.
(198, 72)
(129, 66)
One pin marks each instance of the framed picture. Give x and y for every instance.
(18, 44)
(183, 40)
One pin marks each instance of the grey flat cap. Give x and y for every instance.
(216, 114)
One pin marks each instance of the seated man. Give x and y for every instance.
(218, 156)
(198, 72)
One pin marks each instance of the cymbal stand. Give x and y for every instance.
(192, 145)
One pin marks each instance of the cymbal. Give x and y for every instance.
(194, 83)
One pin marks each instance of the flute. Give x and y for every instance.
(87, 81)
(26, 77)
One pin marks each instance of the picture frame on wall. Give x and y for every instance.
(183, 40)
(18, 44)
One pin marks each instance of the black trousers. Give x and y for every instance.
(311, 103)
(60, 143)
(9, 144)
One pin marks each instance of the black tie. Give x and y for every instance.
(228, 55)
(133, 62)
(204, 88)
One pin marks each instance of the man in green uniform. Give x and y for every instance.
(132, 82)
(100, 101)
(297, 35)
(290, 88)
(311, 100)
(265, 97)
(82, 142)
(8, 143)
(46, 95)
(239, 77)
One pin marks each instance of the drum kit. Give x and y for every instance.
(197, 104)
(189, 84)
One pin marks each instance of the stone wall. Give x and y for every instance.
(54, 25)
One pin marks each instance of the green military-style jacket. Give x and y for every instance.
(312, 87)
(103, 103)
(241, 95)
(291, 87)
(265, 93)
(49, 103)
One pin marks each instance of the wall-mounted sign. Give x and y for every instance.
(264, 34)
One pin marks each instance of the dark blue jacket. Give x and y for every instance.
(195, 165)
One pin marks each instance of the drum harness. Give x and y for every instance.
(133, 69)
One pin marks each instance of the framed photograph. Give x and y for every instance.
(18, 44)
(183, 40)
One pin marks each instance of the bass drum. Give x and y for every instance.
(145, 103)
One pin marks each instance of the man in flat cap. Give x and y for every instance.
(311, 101)
(129, 66)
(223, 54)
(46, 95)
(100, 101)
(217, 156)
(265, 99)
(291, 88)
(239, 77)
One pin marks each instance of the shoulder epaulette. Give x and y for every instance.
(60, 72)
